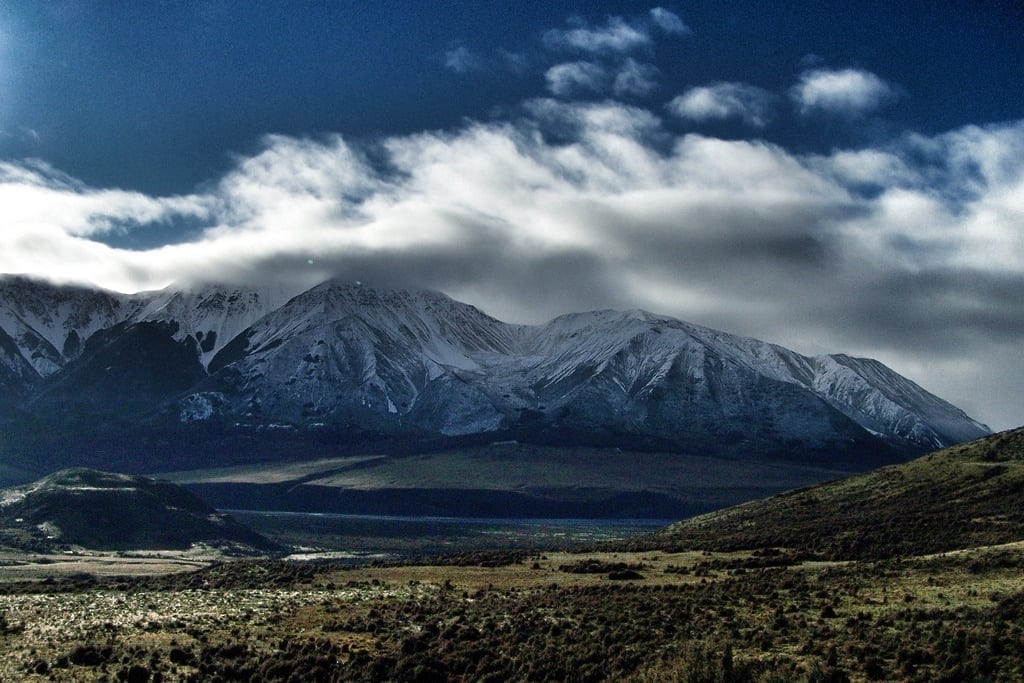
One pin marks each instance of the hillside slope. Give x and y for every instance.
(965, 496)
(106, 511)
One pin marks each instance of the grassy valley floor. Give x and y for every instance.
(913, 572)
(642, 616)
(507, 479)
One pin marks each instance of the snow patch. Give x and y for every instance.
(200, 407)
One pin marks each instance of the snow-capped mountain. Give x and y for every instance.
(343, 358)
(379, 359)
(49, 324)
(210, 315)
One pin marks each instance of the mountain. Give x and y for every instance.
(210, 315)
(379, 360)
(966, 496)
(419, 362)
(346, 363)
(105, 511)
(49, 324)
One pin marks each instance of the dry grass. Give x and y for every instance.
(965, 496)
(536, 617)
(949, 607)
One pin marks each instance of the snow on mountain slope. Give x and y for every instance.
(389, 360)
(49, 324)
(353, 357)
(16, 376)
(649, 374)
(636, 351)
(14, 369)
(343, 352)
(211, 314)
(654, 342)
(883, 401)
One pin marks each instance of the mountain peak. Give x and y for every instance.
(363, 293)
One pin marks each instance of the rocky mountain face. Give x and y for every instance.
(344, 359)
(49, 324)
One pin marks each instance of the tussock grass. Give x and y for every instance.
(966, 496)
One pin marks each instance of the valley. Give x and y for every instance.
(505, 479)
(810, 585)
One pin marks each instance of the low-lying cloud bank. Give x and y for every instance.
(912, 252)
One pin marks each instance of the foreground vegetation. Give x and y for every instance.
(642, 616)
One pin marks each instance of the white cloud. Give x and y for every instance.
(628, 79)
(300, 195)
(720, 101)
(610, 67)
(635, 79)
(870, 167)
(573, 78)
(462, 60)
(37, 197)
(668, 21)
(844, 91)
(616, 36)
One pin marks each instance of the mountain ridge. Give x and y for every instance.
(346, 359)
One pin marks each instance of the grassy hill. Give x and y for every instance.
(105, 511)
(969, 495)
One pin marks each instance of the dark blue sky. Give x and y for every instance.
(832, 176)
(157, 96)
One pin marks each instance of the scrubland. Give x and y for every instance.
(642, 616)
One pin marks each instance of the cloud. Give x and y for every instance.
(669, 22)
(910, 251)
(617, 36)
(850, 92)
(461, 60)
(635, 79)
(573, 78)
(610, 67)
(37, 197)
(629, 79)
(516, 62)
(721, 101)
(870, 169)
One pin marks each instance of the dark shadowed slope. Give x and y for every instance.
(105, 511)
(965, 496)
